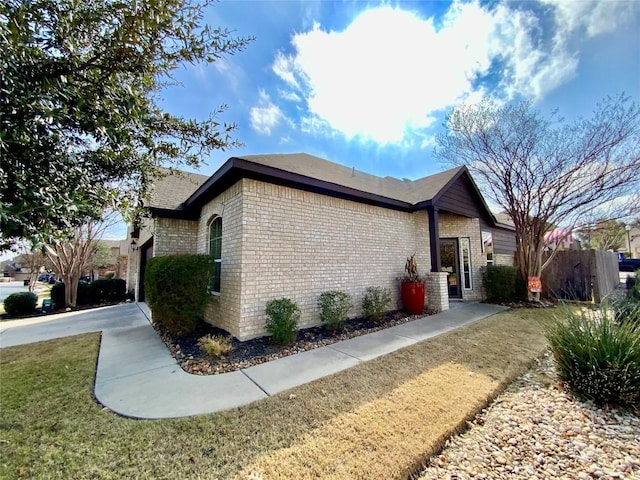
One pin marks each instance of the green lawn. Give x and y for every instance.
(51, 427)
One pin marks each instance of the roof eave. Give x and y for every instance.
(236, 168)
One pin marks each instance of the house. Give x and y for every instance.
(296, 225)
(561, 239)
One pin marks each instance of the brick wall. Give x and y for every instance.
(174, 237)
(224, 310)
(436, 291)
(502, 259)
(455, 226)
(298, 244)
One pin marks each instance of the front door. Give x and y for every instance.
(449, 261)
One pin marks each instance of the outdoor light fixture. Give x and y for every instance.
(134, 245)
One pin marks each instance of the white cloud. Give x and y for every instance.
(265, 116)
(596, 17)
(391, 72)
(289, 95)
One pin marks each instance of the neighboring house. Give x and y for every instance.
(114, 263)
(561, 239)
(297, 225)
(631, 240)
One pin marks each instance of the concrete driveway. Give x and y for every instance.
(37, 329)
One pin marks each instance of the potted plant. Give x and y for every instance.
(412, 288)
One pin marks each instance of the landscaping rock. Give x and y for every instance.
(537, 430)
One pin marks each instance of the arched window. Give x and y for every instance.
(215, 250)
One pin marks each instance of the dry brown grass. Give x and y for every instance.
(384, 437)
(50, 427)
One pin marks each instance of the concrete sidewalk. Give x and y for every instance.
(48, 327)
(137, 376)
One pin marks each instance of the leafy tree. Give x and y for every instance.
(603, 235)
(80, 123)
(544, 172)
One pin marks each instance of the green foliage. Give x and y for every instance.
(282, 320)
(499, 283)
(21, 303)
(214, 345)
(633, 287)
(80, 91)
(596, 356)
(176, 290)
(334, 307)
(375, 303)
(85, 295)
(109, 290)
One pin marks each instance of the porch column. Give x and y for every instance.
(434, 238)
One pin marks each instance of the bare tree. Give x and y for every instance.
(545, 172)
(33, 259)
(70, 256)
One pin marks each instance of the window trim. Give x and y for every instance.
(217, 261)
(466, 270)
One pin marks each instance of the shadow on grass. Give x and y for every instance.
(50, 427)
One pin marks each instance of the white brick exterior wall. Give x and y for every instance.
(299, 244)
(282, 242)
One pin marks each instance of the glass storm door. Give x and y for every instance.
(449, 261)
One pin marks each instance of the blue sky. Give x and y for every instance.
(368, 84)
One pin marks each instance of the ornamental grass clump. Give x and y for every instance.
(282, 320)
(214, 345)
(597, 356)
(375, 303)
(334, 307)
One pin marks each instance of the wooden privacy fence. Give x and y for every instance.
(581, 275)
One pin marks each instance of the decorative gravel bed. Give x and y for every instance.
(253, 352)
(537, 430)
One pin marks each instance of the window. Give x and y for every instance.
(215, 250)
(487, 246)
(466, 263)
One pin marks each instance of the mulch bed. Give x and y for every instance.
(254, 352)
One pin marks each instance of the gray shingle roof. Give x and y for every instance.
(314, 167)
(173, 188)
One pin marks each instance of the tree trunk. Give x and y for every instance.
(70, 289)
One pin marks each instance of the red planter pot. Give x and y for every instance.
(412, 297)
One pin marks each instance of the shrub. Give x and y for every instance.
(633, 287)
(596, 356)
(108, 290)
(84, 297)
(334, 307)
(499, 283)
(214, 345)
(282, 320)
(176, 290)
(375, 303)
(625, 308)
(21, 303)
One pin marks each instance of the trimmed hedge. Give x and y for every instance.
(84, 297)
(21, 303)
(499, 283)
(109, 290)
(176, 290)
